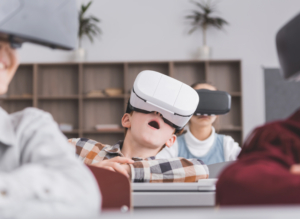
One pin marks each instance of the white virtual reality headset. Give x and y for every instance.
(156, 92)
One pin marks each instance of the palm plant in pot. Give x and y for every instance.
(202, 19)
(87, 27)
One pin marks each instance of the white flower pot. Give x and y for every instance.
(79, 54)
(205, 52)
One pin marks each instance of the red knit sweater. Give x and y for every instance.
(261, 174)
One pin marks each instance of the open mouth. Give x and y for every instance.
(154, 124)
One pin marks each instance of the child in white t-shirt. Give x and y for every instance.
(201, 141)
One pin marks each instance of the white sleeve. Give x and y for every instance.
(51, 181)
(168, 152)
(231, 148)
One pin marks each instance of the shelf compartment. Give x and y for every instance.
(235, 94)
(109, 139)
(189, 73)
(233, 118)
(135, 68)
(102, 111)
(14, 106)
(57, 80)
(63, 111)
(225, 76)
(102, 76)
(22, 82)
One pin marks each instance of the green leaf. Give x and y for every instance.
(202, 18)
(205, 6)
(90, 37)
(193, 29)
(95, 19)
(88, 25)
(84, 8)
(199, 5)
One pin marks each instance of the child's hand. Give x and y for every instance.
(116, 164)
(128, 169)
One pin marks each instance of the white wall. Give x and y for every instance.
(156, 30)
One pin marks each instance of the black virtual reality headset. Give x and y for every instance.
(52, 23)
(213, 102)
(288, 49)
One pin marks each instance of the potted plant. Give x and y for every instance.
(87, 27)
(202, 19)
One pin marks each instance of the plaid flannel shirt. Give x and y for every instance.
(143, 170)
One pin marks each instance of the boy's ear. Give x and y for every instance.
(171, 141)
(126, 123)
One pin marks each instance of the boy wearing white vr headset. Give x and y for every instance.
(159, 107)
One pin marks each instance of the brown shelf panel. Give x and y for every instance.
(120, 130)
(135, 68)
(87, 63)
(14, 106)
(147, 62)
(102, 76)
(235, 94)
(102, 111)
(128, 95)
(57, 80)
(16, 98)
(133, 62)
(106, 97)
(63, 111)
(190, 62)
(189, 73)
(58, 97)
(225, 75)
(22, 82)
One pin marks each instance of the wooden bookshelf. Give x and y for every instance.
(62, 89)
